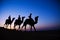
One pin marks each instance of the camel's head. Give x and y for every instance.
(36, 19)
(13, 18)
(23, 18)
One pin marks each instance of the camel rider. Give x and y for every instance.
(9, 18)
(19, 18)
(30, 16)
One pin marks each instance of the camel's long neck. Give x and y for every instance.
(22, 19)
(36, 20)
(12, 20)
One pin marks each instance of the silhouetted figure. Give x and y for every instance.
(9, 21)
(18, 21)
(31, 22)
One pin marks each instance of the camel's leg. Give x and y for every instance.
(34, 27)
(22, 27)
(31, 28)
(25, 27)
(19, 26)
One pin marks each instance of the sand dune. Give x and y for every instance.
(6, 34)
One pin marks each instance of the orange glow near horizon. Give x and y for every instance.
(41, 27)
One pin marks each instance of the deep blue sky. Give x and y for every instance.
(47, 10)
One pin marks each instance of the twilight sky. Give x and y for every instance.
(47, 10)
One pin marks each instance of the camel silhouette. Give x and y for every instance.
(18, 21)
(31, 22)
(9, 21)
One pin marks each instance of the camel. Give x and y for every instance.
(31, 22)
(9, 21)
(18, 22)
